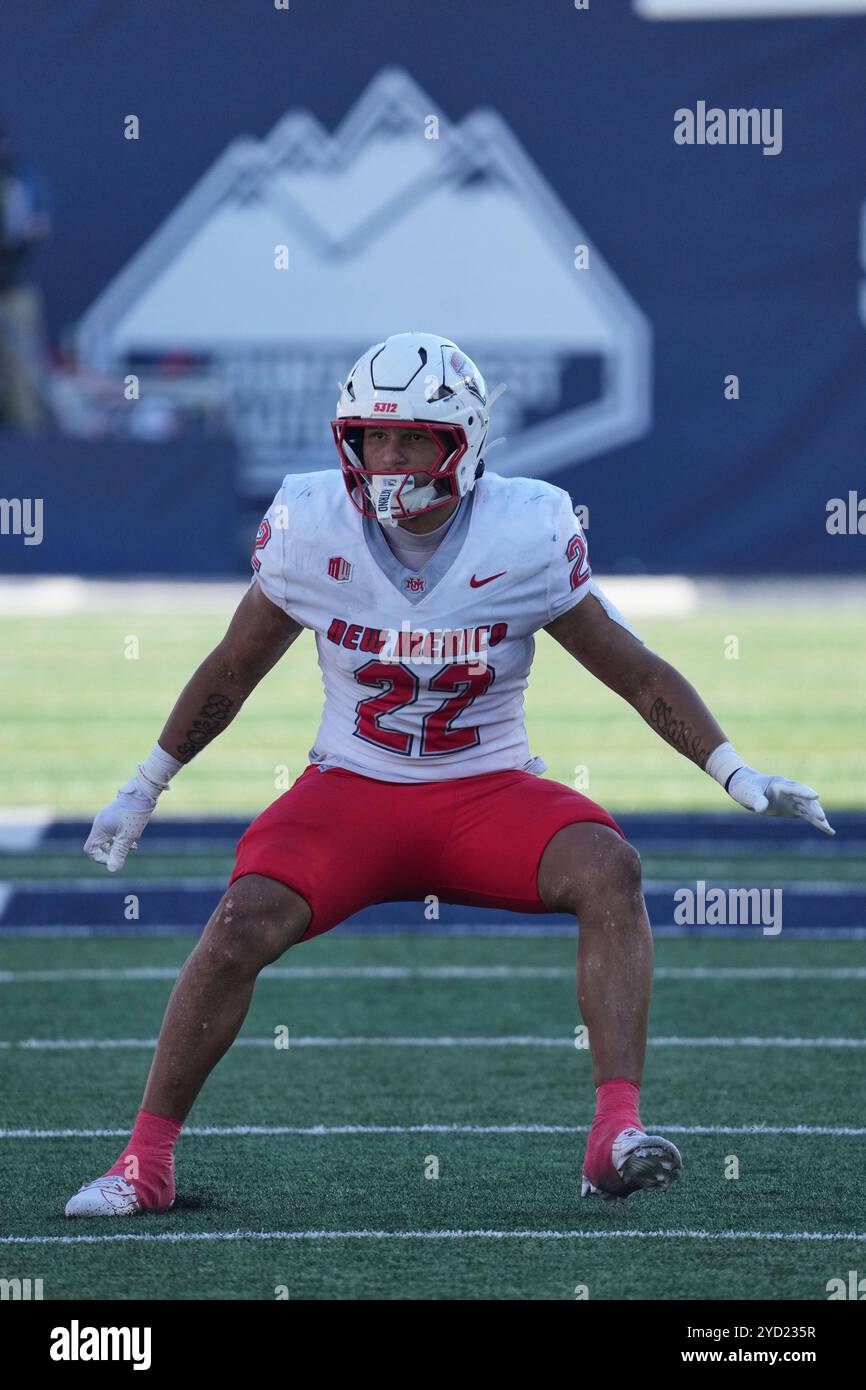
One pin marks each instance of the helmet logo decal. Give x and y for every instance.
(446, 407)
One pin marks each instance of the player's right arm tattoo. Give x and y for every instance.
(678, 732)
(214, 715)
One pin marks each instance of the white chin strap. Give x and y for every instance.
(383, 490)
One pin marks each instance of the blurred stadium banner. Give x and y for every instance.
(679, 325)
(360, 214)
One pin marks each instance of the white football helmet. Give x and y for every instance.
(425, 379)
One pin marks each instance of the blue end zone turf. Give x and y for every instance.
(91, 902)
(174, 908)
(731, 827)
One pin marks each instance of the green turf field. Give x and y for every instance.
(790, 1185)
(408, 1049)
(76, 714)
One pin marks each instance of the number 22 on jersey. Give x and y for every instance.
(398, 686)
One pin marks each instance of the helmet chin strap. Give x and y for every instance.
(383, 489)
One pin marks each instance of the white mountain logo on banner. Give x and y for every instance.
(399, 220)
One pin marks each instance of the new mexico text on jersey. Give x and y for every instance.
(424, 672)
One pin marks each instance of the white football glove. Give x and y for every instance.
(117, 826)
(776, 796)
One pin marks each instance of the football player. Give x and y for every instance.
(424, 578)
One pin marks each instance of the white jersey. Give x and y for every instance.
(424, 672)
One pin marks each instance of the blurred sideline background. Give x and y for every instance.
(184, 281)
(205, 216)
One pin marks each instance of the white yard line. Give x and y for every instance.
(501, 931)
(51, 887)
(215, 883)
(472, 1040)
(439, 972)
(179, 1236)
(337, 1131)
(542, 930)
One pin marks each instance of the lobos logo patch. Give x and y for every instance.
(339, 569)
(263, 535)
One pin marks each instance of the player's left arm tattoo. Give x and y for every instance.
(674, 709)
(678, 732)
(658, 691)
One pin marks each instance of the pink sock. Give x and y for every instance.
(616, 1109)
(148, 1160)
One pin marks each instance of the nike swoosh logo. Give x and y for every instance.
(477, 583)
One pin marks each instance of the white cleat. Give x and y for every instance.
(105, 1196)
(642, 1161)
